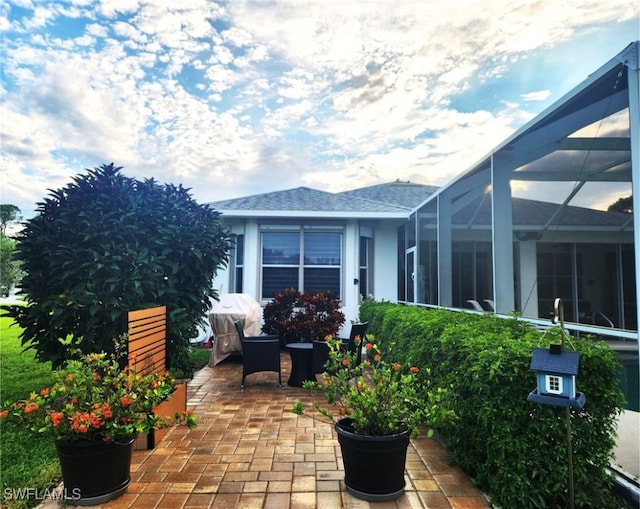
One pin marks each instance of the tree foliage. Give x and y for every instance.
(8, 213)
(622, 205)
(9, 267)
(106, 244)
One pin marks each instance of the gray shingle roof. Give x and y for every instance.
(398, 197)
(402, 194)
(391, 197)
(531, 213)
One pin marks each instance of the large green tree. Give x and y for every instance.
(9, 267)
(8, 214)
(105, 244)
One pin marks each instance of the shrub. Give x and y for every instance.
(300, 316)
(515, 450)
(106, 244)
(378, 397)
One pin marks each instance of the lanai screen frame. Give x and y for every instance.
(485, 188)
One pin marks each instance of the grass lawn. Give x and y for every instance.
(28, 461)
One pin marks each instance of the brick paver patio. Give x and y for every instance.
(250, 451)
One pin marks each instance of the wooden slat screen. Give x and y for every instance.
(147, 329)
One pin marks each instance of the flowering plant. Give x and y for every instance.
(378, 397)
(93, 399)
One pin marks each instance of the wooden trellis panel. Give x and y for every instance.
(147, 329)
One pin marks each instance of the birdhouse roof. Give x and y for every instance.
(565, 363)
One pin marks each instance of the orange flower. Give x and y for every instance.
(414, 369)
(396, 367)
(369, 346)
(377, 357)
(346, 362)
(82, 404)
(80, 422)
(56, 418)
(344, 411)
(104, 409)
(31, 407)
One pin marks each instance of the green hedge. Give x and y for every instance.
(515, 450)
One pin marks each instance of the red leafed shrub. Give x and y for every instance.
(302, 317)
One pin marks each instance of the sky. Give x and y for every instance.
(233, 98)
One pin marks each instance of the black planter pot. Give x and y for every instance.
(94, 472)
(373, 465)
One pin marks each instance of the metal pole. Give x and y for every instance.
(559, 316)
(572, 503)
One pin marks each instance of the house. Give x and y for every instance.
(315, 240)
(518, 229)
(350, 243)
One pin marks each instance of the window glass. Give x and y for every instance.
(239, 263)
(239, 250)
(314, 266)
(321, 280)
(281, 248)
(276, 279)
(322, 249)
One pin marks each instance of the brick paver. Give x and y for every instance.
(250, 451)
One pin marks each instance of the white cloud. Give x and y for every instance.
(539, 95)
(318, 92)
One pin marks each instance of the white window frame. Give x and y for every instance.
(301, 230)
(553, 384)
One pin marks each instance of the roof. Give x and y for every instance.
(396, 200)
(390, 200)
(403, 194)
(540, 215)
(564, 363)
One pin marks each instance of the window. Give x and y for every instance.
(554, 384)
(238, 264)
(365, 275)
(308, 261)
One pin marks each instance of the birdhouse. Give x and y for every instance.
(556, 371)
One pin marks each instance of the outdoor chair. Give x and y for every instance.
(320, 356)
(259, 353)
(357, 330)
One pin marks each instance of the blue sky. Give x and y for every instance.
(242, 97)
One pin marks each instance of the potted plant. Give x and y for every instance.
(376, 407)
(299, 317)
(93, 413)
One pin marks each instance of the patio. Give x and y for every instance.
(250, 451)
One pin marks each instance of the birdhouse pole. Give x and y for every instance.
(559, 318)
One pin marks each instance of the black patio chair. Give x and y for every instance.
(320, 356)
(259, 353)
(349, 344)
